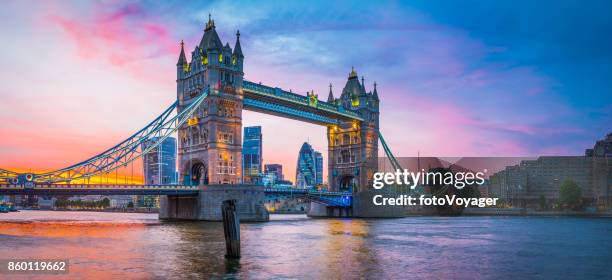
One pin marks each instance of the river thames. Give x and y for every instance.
(122, 246)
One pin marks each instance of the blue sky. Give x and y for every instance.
(456, 78)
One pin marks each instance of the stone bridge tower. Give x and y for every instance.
(209, 148)
(353, 146)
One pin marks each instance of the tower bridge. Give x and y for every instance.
(211, 94)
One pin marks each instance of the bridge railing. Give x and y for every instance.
(340, 199)
(97, 186)
(312, 192)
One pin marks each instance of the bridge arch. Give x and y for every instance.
(347, 183)
(197, 173)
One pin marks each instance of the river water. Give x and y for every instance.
(125, 246)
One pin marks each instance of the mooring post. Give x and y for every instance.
(231, 229)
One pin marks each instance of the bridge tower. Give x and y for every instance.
(353, 146)
(209, 148)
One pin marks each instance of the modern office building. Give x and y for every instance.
(527, 183)
(252, 154)
(276, 169)
(160, 162)
(309, 167)
(318, 168)
(159, 166)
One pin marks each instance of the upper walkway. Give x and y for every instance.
(275, 101)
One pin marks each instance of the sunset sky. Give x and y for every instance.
(455, 78)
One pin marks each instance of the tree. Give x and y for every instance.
(542, 202)
(570, 194)
(105, 202)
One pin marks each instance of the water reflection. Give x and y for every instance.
(139, 246)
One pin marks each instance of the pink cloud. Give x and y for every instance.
(125, 38)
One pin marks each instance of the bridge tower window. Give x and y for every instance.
(346, 156)
(195, 137)
(346, 139)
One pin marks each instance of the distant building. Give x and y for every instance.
(309, 167)
(268, 179)
(159, 166)
(46, 202)
(318, 168)
(602, 148)
(284, 182)
(160, 162)
(524, 184)
(276, 169)
(123, 201)
(252, 154)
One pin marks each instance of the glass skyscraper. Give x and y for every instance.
(318, 168)
(159, 168)
(309, 167)
(276, 169)
(160, 162)
(252, 153)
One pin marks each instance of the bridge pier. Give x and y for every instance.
(206, 206)
(364, 207)
(319, 210)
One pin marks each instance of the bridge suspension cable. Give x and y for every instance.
(7, 174)
(394, 162)
(123, 153)
(397, 166)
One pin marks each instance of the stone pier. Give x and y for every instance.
(318, 210)
(364, 207)
(206, 206)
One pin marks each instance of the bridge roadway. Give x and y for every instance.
(325, 197)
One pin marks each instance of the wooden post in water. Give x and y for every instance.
(231, 229)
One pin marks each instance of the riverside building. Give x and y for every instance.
(527, 183)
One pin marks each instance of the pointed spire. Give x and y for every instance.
(210, 39)
(375, 91)
(210, 24)
(237, 48)
(363, 91)
(330, 98)
(353, 74)
(182, 59)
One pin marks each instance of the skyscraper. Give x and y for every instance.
(160, 162)
(252, 153)
(159, 166)
(276, 169)
(309, 167)
(318, 168)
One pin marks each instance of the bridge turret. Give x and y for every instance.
(350, 94)
(330, 97)
(237, 57)
(363, 95)
(182, 62)
(374, 98)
